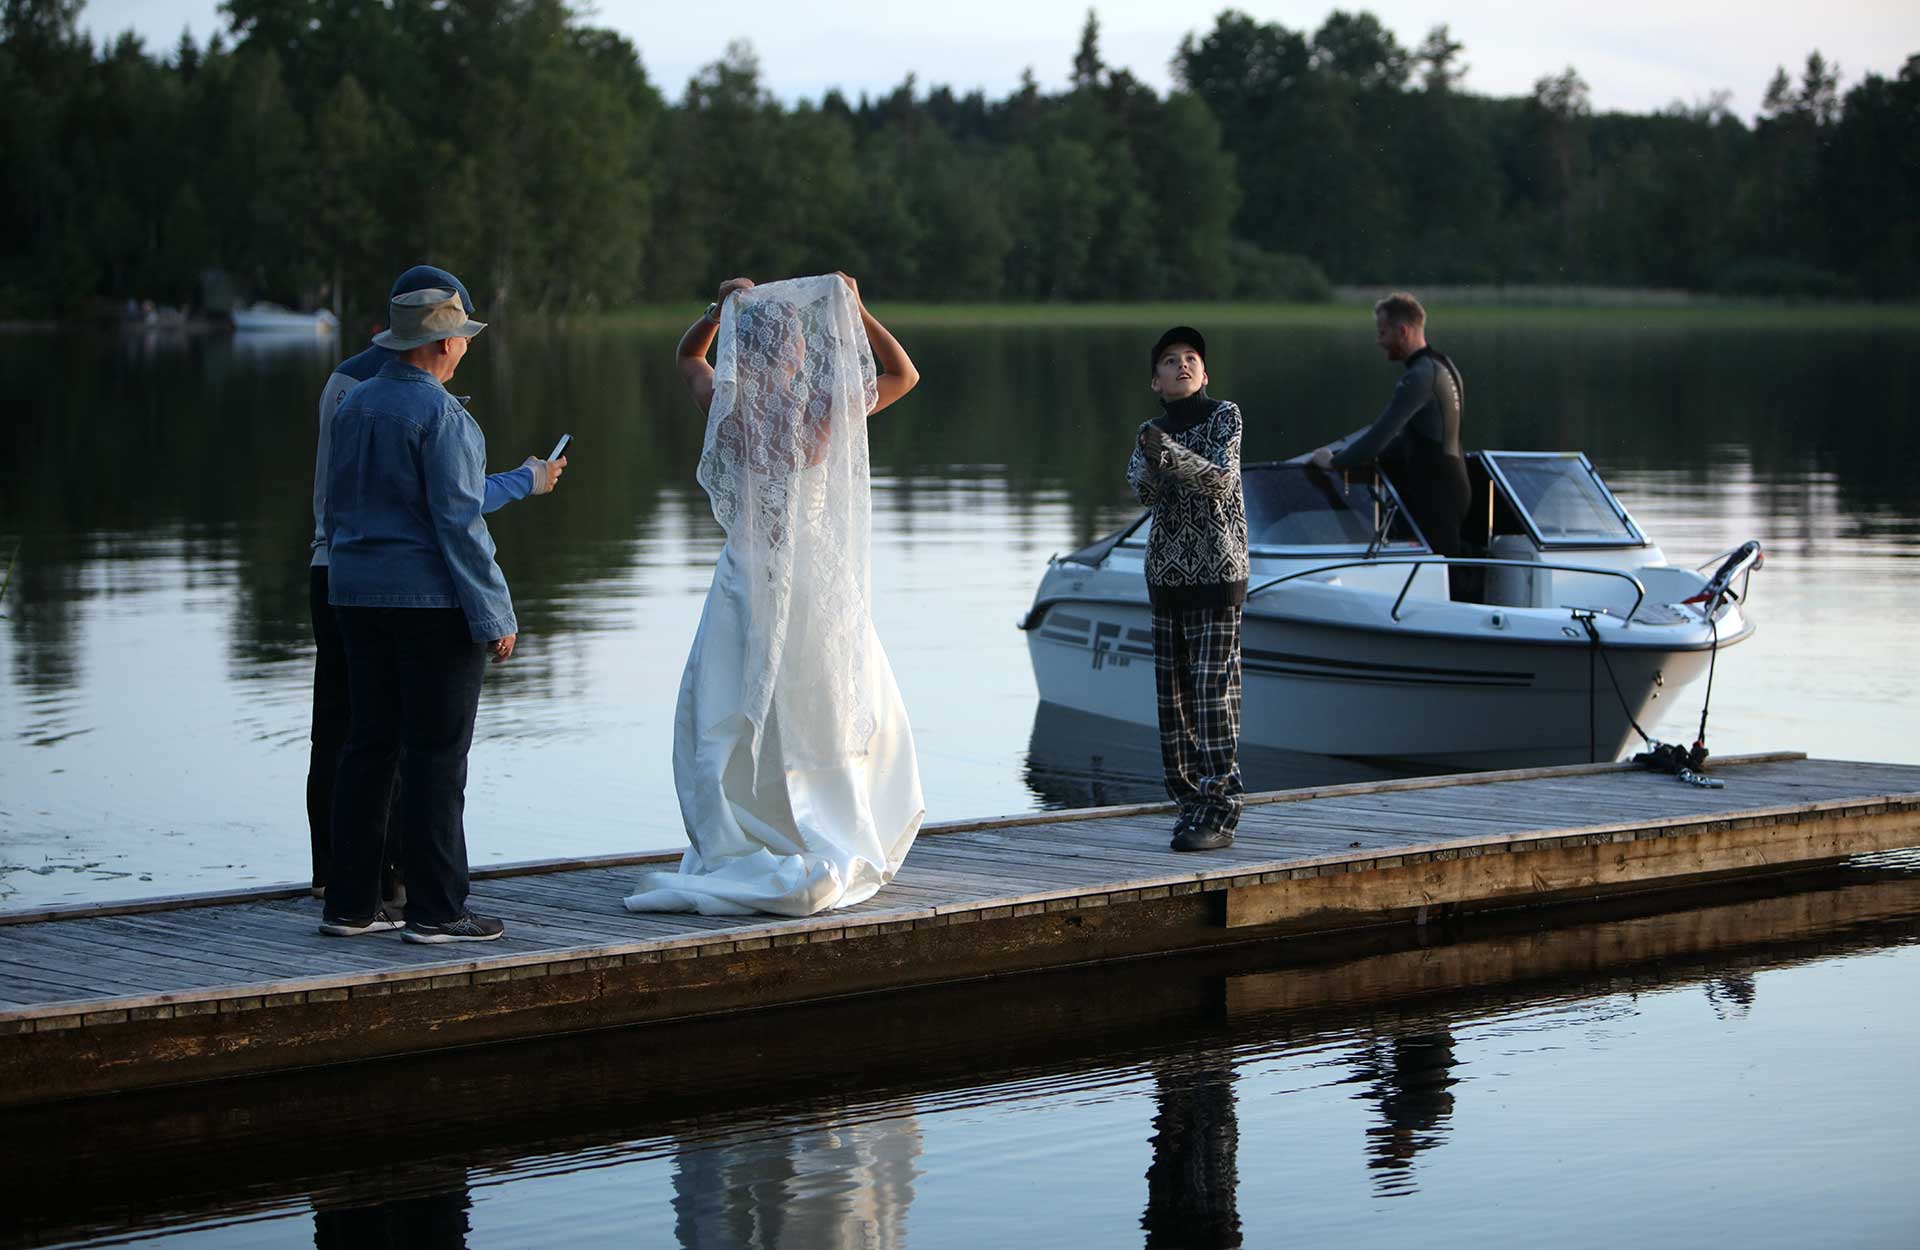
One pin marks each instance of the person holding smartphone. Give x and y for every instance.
(421, 604)
(534, 476)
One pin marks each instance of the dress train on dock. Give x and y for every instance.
(801, 837)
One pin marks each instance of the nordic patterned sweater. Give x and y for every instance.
(1197, 549)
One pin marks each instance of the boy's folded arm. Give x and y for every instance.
(1203, 473)
(1145, 483)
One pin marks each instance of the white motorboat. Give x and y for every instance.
(1354, 643)
(264, 318)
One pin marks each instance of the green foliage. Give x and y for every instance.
(1381, 184)
(318, 146)
(1277, 277)
(1784, 279)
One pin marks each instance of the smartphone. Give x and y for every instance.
(560, 448)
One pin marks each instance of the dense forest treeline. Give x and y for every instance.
(317, 146)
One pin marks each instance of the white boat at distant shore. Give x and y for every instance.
(1354, 645)
(264, 318)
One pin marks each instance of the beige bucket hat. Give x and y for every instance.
(421, 317)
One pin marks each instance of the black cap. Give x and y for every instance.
(1179, 334)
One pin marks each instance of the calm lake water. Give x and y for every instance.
(1737, 1072)
(155, 653)
(1734, 1072)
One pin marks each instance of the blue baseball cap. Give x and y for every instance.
(427, 278)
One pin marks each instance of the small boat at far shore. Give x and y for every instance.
(264, 318)
(1359, 640)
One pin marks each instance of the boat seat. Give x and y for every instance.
(1517, 588)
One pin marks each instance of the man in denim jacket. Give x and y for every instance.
(420, 603)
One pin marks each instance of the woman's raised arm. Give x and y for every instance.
(898, 376)
(691, 355)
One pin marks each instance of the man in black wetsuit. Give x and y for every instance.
(1416, 441)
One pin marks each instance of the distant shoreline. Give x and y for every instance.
(1609, 307)
(1595, 306)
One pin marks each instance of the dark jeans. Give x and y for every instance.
(332, 709)
(414, 679)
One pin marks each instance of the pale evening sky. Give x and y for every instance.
(1636, 55)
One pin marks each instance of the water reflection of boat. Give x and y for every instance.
(1076, 759)
(1354, 643)
(264, 318)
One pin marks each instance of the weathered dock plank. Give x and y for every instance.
(126, 996)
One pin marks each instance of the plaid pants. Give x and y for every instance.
(1196, 672)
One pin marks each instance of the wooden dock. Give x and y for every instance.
(168, 991)
(141, 1162)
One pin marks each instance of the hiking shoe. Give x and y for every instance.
(1193, 838)
(380, 922)
(465, 927)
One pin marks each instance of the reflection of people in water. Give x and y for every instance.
(436, 1221)
(836, 1185)
(1412, 1078)
(1731, 995)
(1192, 1202)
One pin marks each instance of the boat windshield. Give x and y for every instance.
(1563, 500)
(1296, 505)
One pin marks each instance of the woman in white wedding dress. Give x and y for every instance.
(792, 755)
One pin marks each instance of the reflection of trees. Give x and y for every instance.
(834, 1184)
(430, 1221)
(1192, 1183)
(208, 444)
(1410, 1076)
(38, 608)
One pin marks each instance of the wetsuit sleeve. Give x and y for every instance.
(1216, 473)
(1144, 481)
(1414, 392)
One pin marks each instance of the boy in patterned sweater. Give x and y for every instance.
(1186, 468)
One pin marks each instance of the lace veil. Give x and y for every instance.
(785, 463)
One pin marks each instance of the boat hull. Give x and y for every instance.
(284, 321)
(1333, 689)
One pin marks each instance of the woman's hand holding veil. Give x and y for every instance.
(897, 374)
(692, 351)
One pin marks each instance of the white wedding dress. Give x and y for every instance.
(792, 755)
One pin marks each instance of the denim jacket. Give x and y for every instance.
(502, 488)
(406, 485)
